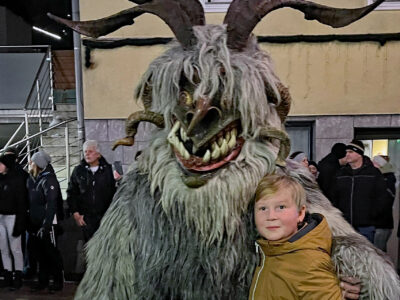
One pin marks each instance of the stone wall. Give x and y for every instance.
(328, 130)
(107, 131)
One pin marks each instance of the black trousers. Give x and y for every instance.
(47, 256)
(92, 224)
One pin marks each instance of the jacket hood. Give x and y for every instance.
(330, 158)
(318, 238)
(388, 168)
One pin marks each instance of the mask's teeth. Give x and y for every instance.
(174, 129)
(183, 135)
(220, 141)
(207, 156)
(224, 147)
(228, 136)
(232, 141)
(183, 151)
(216, 151)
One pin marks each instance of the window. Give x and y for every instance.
(301, 137)
(216, 5)
(387, 5)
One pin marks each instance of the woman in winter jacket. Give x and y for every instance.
(44, 203)
(12, 220)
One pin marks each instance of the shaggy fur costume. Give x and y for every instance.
(162, 240)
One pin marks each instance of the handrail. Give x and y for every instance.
(14, 135)
(39, 133)
(36, 78)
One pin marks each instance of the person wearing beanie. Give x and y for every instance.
(299, 157)
(359, 190)
(44, 201)
(313, 167)
(328, 166)
(13, 210)
(384, 221)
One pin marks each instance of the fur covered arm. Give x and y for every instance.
(354, 256)
(110, 259)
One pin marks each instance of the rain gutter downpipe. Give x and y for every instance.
(78, 74)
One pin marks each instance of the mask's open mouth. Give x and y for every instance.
(219, 150)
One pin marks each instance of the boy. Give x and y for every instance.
(295, 248)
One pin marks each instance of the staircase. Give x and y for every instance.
(62, 144)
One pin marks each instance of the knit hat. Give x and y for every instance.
(356, 146)
(339, 150)
(379, 160)
(7, 160)
(41, 159)
(312, 163)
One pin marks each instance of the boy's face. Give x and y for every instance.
(276, 216)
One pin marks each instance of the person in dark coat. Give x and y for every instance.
(12, 221)
(384, 221)
(44, 214)
(359, 189)
(328, 166)
(90, 189)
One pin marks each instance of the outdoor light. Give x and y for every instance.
(55, 36)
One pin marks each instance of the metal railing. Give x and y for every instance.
(34, 143)
(38, 120)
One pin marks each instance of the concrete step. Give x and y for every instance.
(66, 107)
(59, 161)
(60, 131)
(59, 141)
(59, 150)
(65, 115)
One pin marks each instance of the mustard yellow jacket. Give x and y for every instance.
(297, 268)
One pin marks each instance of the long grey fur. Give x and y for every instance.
(163, 240)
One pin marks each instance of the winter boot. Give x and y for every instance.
(58, 283)
(17, 282)
(7, 281)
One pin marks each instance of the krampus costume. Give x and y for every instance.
(181, 224)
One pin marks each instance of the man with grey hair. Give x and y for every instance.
(90, 189)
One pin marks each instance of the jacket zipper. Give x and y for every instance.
(259, 272)
(351, 200)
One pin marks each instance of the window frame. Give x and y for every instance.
(394, 5)
(217, 6)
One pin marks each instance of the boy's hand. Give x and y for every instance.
(351, 287)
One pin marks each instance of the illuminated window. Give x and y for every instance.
(216, 5)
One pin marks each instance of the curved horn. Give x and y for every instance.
(102, 26)
(244, 15)
(282, 136)
(172, 12)
(284, 106)
(132, 124)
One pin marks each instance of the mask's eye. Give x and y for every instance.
(185, 98)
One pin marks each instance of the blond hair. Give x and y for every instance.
(270, 184)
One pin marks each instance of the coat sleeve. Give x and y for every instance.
(73, 193)
(21, 195)
(382, 197)
(51, 190)
(325, 178)
(320, 280)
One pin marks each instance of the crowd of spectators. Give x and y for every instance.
(363, 189)
(31, 209)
